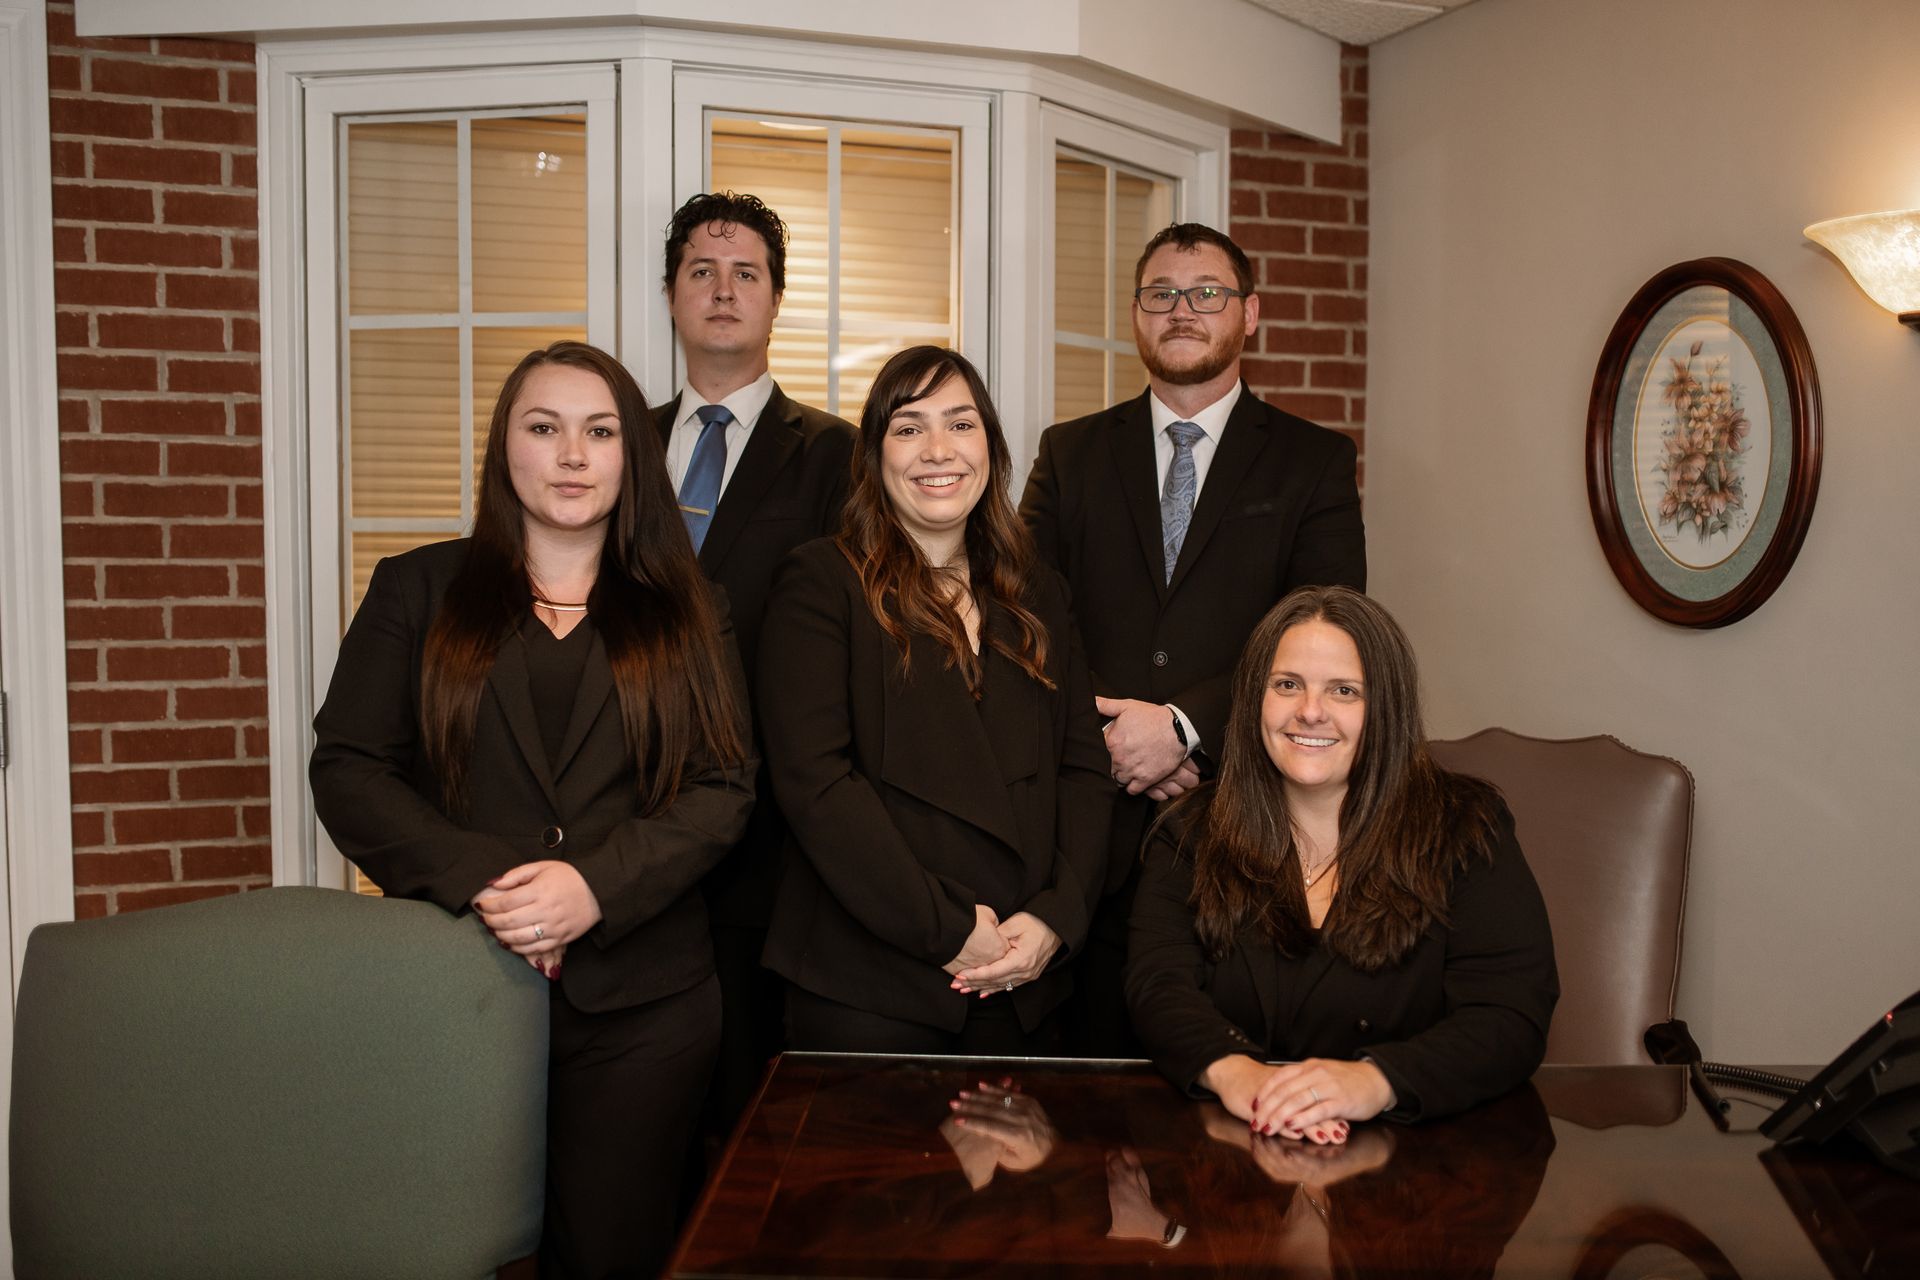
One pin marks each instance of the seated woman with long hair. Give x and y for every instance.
(1335, 902)
(545, 724)
(931, 735)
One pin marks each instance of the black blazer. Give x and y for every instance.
(1462, 1019)
(787, 488)
(380, 801)
(1280, 509)
(909, 802)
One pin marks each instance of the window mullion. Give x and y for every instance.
(464, 169)
(833, 267)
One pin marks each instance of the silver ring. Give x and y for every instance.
(1007, 1101)
(539, 934)
(1315, 1092)
(1008, 987)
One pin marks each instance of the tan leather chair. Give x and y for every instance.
(1606, 830)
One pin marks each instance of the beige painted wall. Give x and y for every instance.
(1534, 162)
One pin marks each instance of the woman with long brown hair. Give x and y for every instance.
(931, 736)
(1335, 902)
(545, 724)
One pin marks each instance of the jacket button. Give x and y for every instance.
(1363, 1025)
(552, 837)
(1159, 657)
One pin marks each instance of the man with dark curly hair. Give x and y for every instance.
(756, 475)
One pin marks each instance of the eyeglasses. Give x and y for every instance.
(1204, 299)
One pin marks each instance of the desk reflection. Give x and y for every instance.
(850, 1168)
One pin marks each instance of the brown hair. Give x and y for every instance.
(649, 602)
(904, 592)
(1406, 825)
(1191, 235)
(735, 210)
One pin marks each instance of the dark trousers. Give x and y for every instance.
(992, 1030)
(1095, 1019)
(752, 1026)
(623, 1094)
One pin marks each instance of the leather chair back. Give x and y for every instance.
(290, 1083)
(1607, 831)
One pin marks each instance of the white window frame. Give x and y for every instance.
(701, 94)
(1104, 142)
(330, 109)
(1023, 99)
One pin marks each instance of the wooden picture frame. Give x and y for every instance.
(1703, 443)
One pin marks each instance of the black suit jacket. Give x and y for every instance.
(910, 803)
(1461, 1019)
(380, 801)
(1280, 509)
(787, 488)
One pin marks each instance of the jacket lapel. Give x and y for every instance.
(770, 443)
(514, 692)
(1130, 437)
(596, 684)
(1011, 716)
(1240, 443)
(937, 746)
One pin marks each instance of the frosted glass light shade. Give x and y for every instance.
(1882, 250)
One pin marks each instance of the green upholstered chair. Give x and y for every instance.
(285, 1083)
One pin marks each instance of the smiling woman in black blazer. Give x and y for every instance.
(1335, 901)
(931, 736)
(545, 724)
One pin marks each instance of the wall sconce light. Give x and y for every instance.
(1882, 251)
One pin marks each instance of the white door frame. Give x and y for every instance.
(36, 838)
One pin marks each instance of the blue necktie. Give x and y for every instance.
(700, 491)
(1176, 501)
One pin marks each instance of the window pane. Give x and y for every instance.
(403, 218)
(785, 164)
(1080, 246)
(1079, 382)
(896, 216)
(798, 358)
(859, 361)
(403, 438)
(1129, 376)
(1141, 206)
(495, 352)
(530, 214)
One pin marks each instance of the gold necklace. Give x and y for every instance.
(1310, 873)
(560, 608)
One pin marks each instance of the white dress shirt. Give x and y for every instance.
(745, 405)
(1212, 421)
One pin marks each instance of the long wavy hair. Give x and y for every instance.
(909, 596)
(1406, 825)
(649, 602)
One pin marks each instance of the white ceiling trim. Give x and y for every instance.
(1251, 63)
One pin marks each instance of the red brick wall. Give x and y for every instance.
(1300, 211)
(156, 291)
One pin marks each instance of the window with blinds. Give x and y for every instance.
(872, 214)
(465, 247)
(1103, 214)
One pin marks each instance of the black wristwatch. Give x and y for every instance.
(1179, 730)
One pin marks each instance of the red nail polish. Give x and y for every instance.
(1256, 1104)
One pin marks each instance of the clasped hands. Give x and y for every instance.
(996, 1127)
(1001, 954)
(1146, 754)
(536, 909)
(1313, 1099)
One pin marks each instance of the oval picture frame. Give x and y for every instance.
(1703, 443)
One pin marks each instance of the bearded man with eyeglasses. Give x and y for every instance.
(1178, 519)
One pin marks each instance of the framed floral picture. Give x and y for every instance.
(1703, 443)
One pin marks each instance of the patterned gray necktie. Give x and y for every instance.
(1176, 500)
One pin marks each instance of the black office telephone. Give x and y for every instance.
(1872, 1091)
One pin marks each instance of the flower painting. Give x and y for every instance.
(1703, 442)
(1699, 454)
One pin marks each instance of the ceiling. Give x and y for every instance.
(1360, 21)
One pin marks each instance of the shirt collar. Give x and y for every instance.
(1212, 419)
(744, 404)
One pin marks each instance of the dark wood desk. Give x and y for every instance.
(850, 1166)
